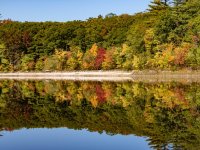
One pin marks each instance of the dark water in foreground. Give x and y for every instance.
(99, 115)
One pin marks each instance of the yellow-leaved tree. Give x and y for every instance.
(89, 58)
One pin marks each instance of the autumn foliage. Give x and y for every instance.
(164, 37)
(101, 95)
(99, 58)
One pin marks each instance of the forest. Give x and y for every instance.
(164, 37)
(166, 113)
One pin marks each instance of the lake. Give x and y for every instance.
(52, 114)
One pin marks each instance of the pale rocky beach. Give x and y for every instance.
(99, 75)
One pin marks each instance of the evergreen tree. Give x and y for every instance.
(178, 2)
(159, 5)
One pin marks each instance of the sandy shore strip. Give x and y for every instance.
(69, 78)
(114, 76)
(134, 76)
(70, 74)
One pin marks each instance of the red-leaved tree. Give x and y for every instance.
(100, 58)
(101, 95)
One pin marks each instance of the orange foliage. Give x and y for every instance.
(89, 57)
(180, 54)
(109, 60)
(101, 95)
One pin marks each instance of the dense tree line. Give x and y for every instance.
(167, 113)
(167, 36)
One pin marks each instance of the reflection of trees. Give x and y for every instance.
(1, 131)
(166, 113)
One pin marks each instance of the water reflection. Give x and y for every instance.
(62, 139)
(167, 113)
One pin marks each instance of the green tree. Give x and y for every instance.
(27, 62)
(158, 5)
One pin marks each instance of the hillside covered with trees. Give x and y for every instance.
(166, 36)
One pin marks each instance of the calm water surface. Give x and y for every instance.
(62, 139)
(99, 115)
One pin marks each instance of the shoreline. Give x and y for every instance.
(110, 73)
(70, 73)
(114, 76)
